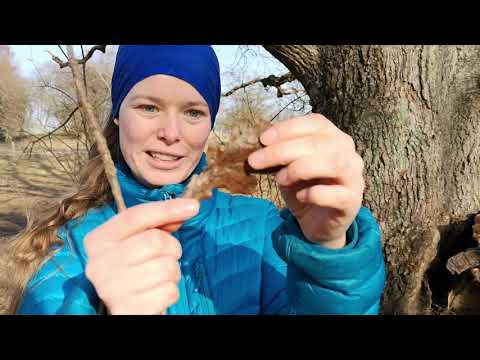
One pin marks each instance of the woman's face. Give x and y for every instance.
(164, 125)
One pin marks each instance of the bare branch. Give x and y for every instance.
(290, 103)
(57, 60)
(84, 71)
(218, 137)
(86, 109)
(49, 149)
(244, 85)
(272, 80)
(61, 49)
(32, 144)
(101, 48)
(90, 53)
(55, 88)
(38, 72)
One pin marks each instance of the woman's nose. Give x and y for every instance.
(168, 130)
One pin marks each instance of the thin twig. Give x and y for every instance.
(57, 89)
(291, 102)
(51, 152)
(90, 53)
(80, 62)
(38, 71)
(249, 107)
(51, 132)
(272, 80)
(259, 181)
(87, 111)
(242, 86)
(61, 49)
(218, 137)
(84, 72)
(85, 131)
(57, 60)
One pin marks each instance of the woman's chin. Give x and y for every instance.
(157, 181)
(157, 178)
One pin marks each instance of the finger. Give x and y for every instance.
(283, 153)
(152, 302)
(345, 169)
(330, 196)
(297, 127)
(139, 218)
(148, 245)
(113, 287)
(157, 300)
(153, 273)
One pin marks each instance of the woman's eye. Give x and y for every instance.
(148, 108)
(195, 113)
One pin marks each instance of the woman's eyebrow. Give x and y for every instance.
(161, 101)
(196, 103)
(148, 97)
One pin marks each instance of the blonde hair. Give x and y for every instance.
(25, 252)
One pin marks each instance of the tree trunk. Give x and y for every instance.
(413, 112)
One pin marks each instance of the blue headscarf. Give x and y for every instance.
(195, 64)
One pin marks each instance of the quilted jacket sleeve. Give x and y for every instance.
(319, 280)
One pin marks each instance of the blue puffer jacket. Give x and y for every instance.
(240, 256)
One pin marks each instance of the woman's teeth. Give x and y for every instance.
(164, 157)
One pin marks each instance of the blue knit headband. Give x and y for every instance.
(195, 64)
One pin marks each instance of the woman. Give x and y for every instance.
(228, 254)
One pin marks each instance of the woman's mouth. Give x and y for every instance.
(163, 161)
(164, 157)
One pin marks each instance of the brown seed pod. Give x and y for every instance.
(228, 167)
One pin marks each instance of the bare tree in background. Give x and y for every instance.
(14, 99)
(63, 129)
(86, 108)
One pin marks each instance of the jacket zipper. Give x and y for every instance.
(168, 196)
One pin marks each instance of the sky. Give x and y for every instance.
(256, 62)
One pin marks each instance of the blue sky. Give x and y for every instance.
(256, 62)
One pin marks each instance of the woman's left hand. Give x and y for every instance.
(322, 179)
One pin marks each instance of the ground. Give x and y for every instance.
(23, 180)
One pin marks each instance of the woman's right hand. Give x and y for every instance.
(133, 263)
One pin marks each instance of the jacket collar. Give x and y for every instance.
(135, 193)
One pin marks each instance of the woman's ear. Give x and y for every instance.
(115, 121)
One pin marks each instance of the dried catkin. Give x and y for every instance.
(228, 168)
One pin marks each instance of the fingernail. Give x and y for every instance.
(269, 136)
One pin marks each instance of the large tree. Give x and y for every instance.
(14, 97)
(414, 114)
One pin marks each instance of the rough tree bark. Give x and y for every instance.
(413, 112)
